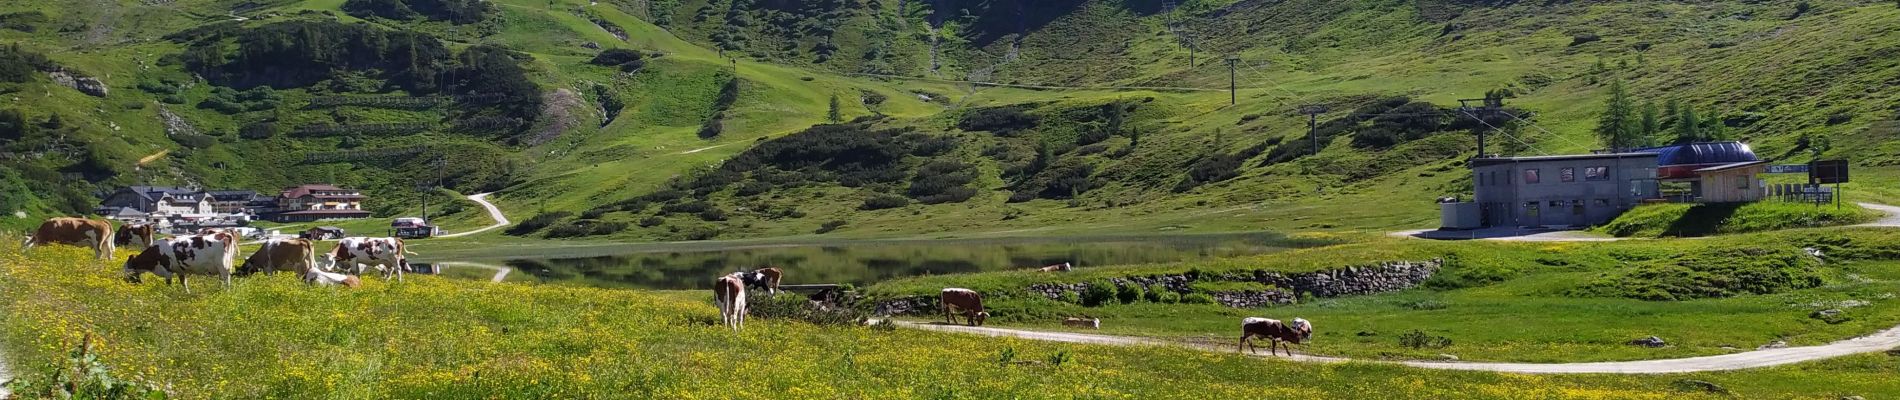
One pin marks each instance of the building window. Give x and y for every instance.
(1567, 174)
(1744, 183)
(1556, 203)
(1596, 173)
(1530, 176)
(1602, 202)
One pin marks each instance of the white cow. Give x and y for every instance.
(211, 255)
(354, 254)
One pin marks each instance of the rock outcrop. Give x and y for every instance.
(84, 84)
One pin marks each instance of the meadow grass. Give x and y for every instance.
(1498, 300)
(272, 337)
(1680, 220)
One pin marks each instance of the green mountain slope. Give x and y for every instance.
(626, 151)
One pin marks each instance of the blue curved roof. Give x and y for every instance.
(1702, 153)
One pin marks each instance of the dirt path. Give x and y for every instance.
(493, 213)
(1879, 341)
(703, 149)
(1892, 220)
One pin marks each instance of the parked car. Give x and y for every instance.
(323, 233)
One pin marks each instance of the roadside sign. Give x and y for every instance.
(1788, 169)
(1828, 171)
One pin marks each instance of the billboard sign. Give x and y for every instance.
(1828, 171)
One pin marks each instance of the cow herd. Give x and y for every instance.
(729, 295)
(213, 252)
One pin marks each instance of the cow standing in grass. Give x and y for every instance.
(966, 302)
(75, 231)
(764, 278)
(295, 255)
(354, 254)
(320, 278)
(135, 236)
(1299, 331)
(729, 295)
(210, 255)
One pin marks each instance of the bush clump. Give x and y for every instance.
(1100, 293)
(830, 226)
(1197, 298)
(581, 228)
(537, 222)
(1131, 294)
(884, 201)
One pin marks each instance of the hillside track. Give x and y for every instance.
(1879, 341)
(493, 213)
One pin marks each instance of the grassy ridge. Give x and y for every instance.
(436, 338)
(1683, 220)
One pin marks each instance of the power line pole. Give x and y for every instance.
(1312, 123)
(1233, 90)
(1488, 106)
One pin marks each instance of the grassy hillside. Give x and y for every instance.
(601, 137)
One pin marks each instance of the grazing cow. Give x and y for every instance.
(354, 253)
(1294, 333)
(729, 295)
(320, 278)
(135, 236)
(966, 302)
(298, 255)
(1091, 323)
(1063, 267)
(183, 255)
(766, 278)
(77, 232)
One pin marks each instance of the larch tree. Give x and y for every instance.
(1618, 125)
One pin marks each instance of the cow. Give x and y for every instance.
(135, 236)
(77, 232)
(298, 255)
(183, 255)
(966, 302)
(1063, 267)
(729, 296)
(1299, 331)
(354, 253)
(1091, 323)
(321, 278)
(766, 278)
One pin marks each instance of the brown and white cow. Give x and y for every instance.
(75, 231)
(765, 278)
(354, 254)
(210, 255)
(135, 236)
(729, 296)
(320, 278)
(1299, 331)
(1063, 267)
(966, 302)
(295, 255)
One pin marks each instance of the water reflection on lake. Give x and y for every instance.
(867, 262)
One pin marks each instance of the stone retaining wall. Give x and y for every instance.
(1287, 288)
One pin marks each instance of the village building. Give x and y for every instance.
(140, 202)
(241, 202)
(1592, 189)
(319, 202)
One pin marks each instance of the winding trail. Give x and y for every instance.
(1892, 220)
(493, 213)
(1879, 341)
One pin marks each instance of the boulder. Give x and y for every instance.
(1651, 341)
(1831, 316)
(84, 84)
(1774, 345)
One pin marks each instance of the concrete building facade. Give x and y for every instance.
(1568, 190)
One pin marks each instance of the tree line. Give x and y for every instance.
(1627, 125)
